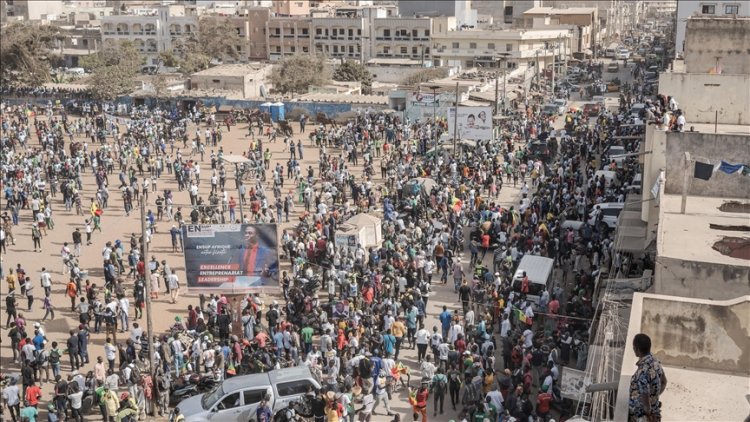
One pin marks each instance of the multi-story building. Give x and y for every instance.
(460, 9)
(520, 48)
(250, 24)
(151, 30)
(339, 37)
(686, 9)
(504, 12)
(288, 35)
(583, 19)
(401, 37)
(30, 10)
(291, 7)
(78, 42)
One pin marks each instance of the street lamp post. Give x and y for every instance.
(504, 60)
(434, 89)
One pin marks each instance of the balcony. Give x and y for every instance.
(150, 32)
(384, 38)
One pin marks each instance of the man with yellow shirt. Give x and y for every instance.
(398, 329)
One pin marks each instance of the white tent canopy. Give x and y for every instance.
(362, 229)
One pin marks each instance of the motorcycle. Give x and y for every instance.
(190, 386)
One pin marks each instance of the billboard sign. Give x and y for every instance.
(473, 122)
(231, 257)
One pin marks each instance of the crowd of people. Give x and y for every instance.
(347, 313)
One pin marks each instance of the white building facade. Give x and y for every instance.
(686, 9)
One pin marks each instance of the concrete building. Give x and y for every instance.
(250, 24)
(483, 48)
(152, 30)
(504, 12)
(248, 79)
(77, 43)
(687, 9)
(30, 10)
(291, 7)
(401, 38)
(583, 19)
(340, 38)
(717, 45)
(287, 36)
(615, 16)
(704, 348)
(460, 9)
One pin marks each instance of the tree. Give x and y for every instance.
(113, 70)
(216, 39)
(159, 82)
(353, 71)
(297, 73)
(26, 53)
(426, 75)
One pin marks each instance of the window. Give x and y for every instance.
(404, 50)
(414, 33)
(491, 46)
(426, 32)
(732, 9)
(277, 31)
(293, 49)
(472, 45)
(278, 49)
(216, 81)
(293, 387)
(335, 49)
(229, 402)
(304, 31)
(318, 31)
(351, 32)
(305, 50)
(455, 45)
(386, 50)
(386, 32)
(253, 396)
(708, 9)
(508, 47)
(508, 14)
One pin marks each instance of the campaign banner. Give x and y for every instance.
(473, 122)
(231, 257)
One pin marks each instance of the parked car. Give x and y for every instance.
(561, 104)
(613, 67)
(237, 398)
(610, 212)
(592, 109)
(622, 54)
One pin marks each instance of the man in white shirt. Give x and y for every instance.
(422, 340)
(174, 286)
(124, 305)
(46, 280)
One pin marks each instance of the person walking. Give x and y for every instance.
(49, 310)
(75, 359)
(174, 286)
(647, 383)
(439, 388)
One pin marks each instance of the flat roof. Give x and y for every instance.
(237, 69)
(688, 236)
(558, 11)
(692, 393)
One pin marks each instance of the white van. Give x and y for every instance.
(610, 53)
(539, 271)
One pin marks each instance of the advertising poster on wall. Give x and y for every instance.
(231, 257)
(473, 122)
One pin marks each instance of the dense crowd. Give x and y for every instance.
(347, 313)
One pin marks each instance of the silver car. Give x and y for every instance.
(237, 398)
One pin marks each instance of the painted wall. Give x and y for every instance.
(700, 280)
(708, 147)
(724, 40)
(701, 95)
(699, 335)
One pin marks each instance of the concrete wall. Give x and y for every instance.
(699, 335)
(701, 95)
(394, 75)
(725, 38)
(712, 148)
(700, 279)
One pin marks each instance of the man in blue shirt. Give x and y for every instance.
(445, 320)
(389, 342)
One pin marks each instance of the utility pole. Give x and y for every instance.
(147, 294)
(553, 71)
(455, 125)
(238, 182)
(494, 109)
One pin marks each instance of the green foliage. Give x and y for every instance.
(297, 73)
(27, 53)
(113, 70)
(353, 71)
(426, 75)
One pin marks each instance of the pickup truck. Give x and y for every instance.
(237, 398)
